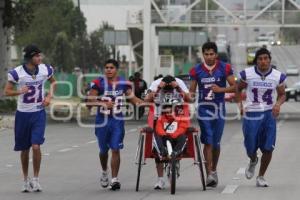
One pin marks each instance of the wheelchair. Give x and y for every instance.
(146, 150)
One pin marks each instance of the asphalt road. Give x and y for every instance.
(71, 170)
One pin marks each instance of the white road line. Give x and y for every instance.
(30, 160)
(46, 154)
(230, 189)
(91, 142)
(241, 171)
(9, 165)
(75, 146)
(65, 150)
(236, 178)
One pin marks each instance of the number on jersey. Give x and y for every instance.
(209, 94)
(30, 96)
(117, 105)
(266, 97)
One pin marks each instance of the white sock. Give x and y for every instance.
(114, 179)
(104, 172)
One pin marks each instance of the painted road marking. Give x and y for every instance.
(65, 150)
(230, 189)
(241, 171)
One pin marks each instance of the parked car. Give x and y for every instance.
(251, 50)
(292, 70)
(293, 92)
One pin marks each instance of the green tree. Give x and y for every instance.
(201, 5)
(62, 55)
(42, 21)
(99, 52)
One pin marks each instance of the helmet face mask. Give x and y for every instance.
(171, 104)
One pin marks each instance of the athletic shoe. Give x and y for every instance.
(211, 181)
(160, 184)
(215, 175)
(261, 182)
(104, 180)
(26, 187)
(35, 185)
(250, 170)
(115, 184)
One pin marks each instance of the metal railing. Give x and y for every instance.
(217, 17)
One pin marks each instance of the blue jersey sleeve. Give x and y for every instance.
(192, 73)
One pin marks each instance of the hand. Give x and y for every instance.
(215, 88)
(174, 84)
(46, 101)
(276, 110)
(24, 90)
(241, 107)
(162, 84)
(109, 104)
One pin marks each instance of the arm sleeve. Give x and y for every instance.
(128, 86)
(228, 70)
(192, 73)
(160, 127)
(242, 76)
(282, 79)
(182, 85)
(154, 85)
(13, 76)
(95, 84)
(50, 71)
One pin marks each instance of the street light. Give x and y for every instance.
(78, 4)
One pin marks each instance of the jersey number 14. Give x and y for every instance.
(266, 97)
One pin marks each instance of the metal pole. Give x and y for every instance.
(245, 22)
(283, 12)
(130, 59)
(190, 47)
(78, 4)
(147, 69)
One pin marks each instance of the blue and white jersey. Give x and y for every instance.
(31, 101)
(261, 89)
(111, 92)
(205, 80)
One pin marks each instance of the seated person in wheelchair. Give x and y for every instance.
(171, 126)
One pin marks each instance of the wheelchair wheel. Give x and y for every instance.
(200, 162)
(173, 175)
(140, 159)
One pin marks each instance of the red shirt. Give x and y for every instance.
(178, 125)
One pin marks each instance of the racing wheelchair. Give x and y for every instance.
(146, 150)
